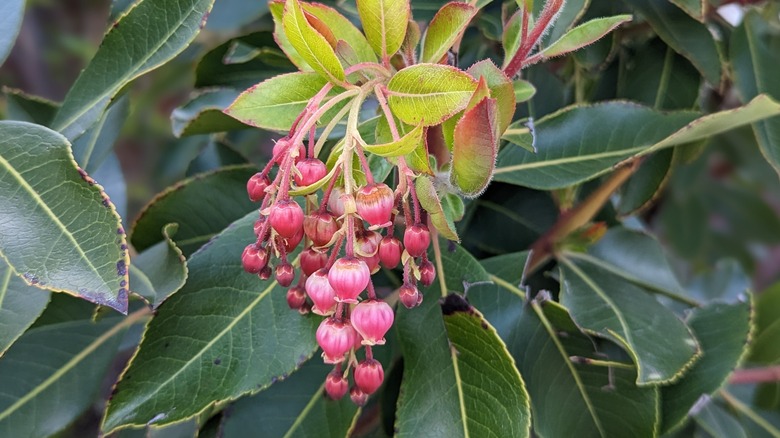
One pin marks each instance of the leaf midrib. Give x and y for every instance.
(134, 71)
(566, 160)
(34, 195)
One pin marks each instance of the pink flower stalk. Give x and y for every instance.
(311, 170)
(336, 386)
(320, 227)
(286, 218)
(313, 260)
(372, 319)
(335, 338)
(256, 186)
(390, 250)
(254, 258)
(349, 277)
(369, 376)
(374, 203)
(416, 240)
(410, 296)
(321, 293)
(427, 273)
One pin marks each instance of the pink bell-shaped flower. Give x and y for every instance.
(349, 277)
(254, 258)
(286, 218)
(321, 293)
(390, 250)
(296, 297)
(285, 274)
(369, 376)
(256, 186)
(336, 386)
(427, 273)
(310, 171)
(410, 296)
(357, 396)
(335, 338)
(313, 260)
(320, 227)
(372, 319)
(416, 240)
(374, 203)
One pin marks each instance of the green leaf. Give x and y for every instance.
(583, 35)
(226, 332)
(343, 30)
(79, 245)
(202, 206)
(384, 23)
(459, 380)
(159, 271)
(764, 348)
(28, 108)
(571, 12)
(511, 37)
(646, 183)
(523, 90)
(718, 422)
(44, 393)
(475, 146)
(310, 44)
(685, 35)
(11, 15)
(203, 114)
(723, 331)
(293, 407)
(145, 37)
(755, 54)
(277, 11)
(602, 303)
(428, 94)
(429, 200)
(580, 143)
(93, 147)
(501, 89)
(275, 103)
(404, 145)
(694, 8)
(229, 15)
(20, 305)
(595, 401)
(445, 30)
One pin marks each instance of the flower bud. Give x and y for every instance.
(335, 204)
(286, 218)
(427, 273)
(369, 376)
(280, 147)
(265, 273)
(335, 338)
(254, 258)
(349, 277)
(358, 397)
(291, 242)
(320, 227)
(374, 203)
(310, 170)
(367, 246)
(285, 274)
(390, 252)
(321, 293)
(258, 227)
(372, 319)
(410, 296)
(336, 386)
(312, 260)
(416, 240)
(256, 186)
(296, 297)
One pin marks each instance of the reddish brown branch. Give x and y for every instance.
(755, 375)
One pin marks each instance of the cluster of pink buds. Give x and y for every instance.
(347, 235)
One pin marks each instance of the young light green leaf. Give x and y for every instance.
(685, 35)
(275, 103)
(385, 23)
(427, 94)
(511, 36)
(404, 145)
(11, 15)
(44, 393)
(475, 146)
(445, 30)
(145, 37)
(80, 243)
(204, 114)
(583, 35)
(754, 57)
(580, 143)
(293, 407)
(596, 401)
(524, 90)
(501, 89)
(159, 271)
(277, 11)
(224, 191)
(723, 331)
(224, 332)
(20, 305)
(342, 30)
(429, 200)
(310, 44)
(602, 303)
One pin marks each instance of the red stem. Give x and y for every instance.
(329, 190)
(548, 13)
(364, 163)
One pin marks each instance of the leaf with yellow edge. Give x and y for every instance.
(446, 29)
(384, 23)
(404, 145)
(310, 44)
